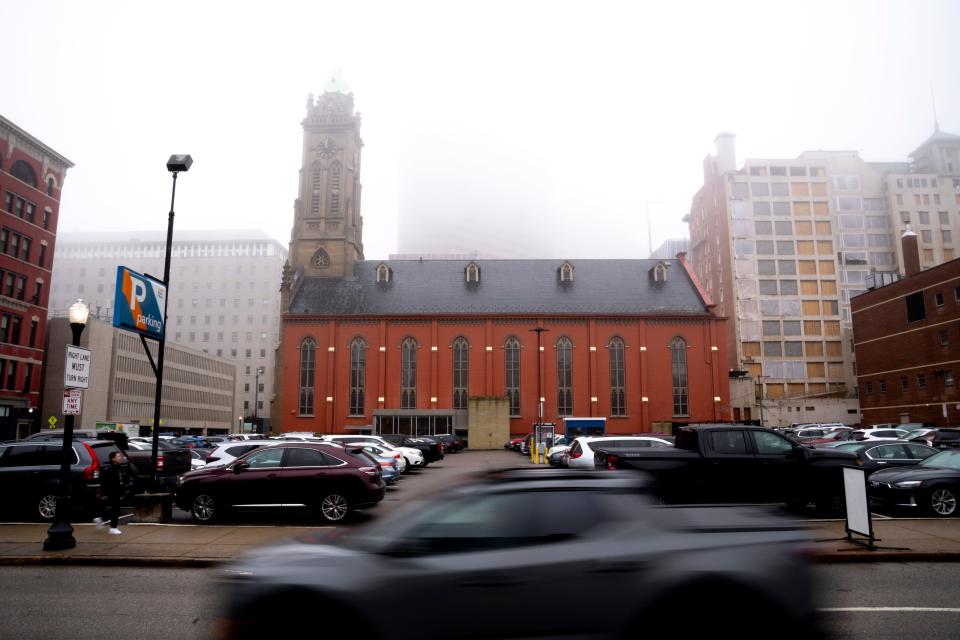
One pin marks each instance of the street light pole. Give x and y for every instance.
(175, 165)
(60, 533)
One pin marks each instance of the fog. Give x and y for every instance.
(536, 129)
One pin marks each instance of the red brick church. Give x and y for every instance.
(436, 346)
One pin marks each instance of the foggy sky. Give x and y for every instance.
(544, 129)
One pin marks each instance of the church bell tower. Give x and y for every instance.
(327, 235)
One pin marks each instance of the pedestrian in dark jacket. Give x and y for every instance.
(113, 484)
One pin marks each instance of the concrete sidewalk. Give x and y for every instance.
(209, 545)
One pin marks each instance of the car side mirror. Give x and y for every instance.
(240, 466)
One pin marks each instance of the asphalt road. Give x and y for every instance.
(869, 601)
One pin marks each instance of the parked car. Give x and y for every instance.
(560, 534)
(412, 457)
(882, 455)
(451, 443)
(389, 463)
(327, 478)
(172, 460)
(191, 442)
(430, 450)
(735, 463)
(580, 454)
(938, 438)
(882, 434)
(840, 435)
(513, 444)
(932, 485)
(230, 451)
(30, 475)
(555, 453)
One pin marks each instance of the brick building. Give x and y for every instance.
(411, 345)
(31, 181)
(907, 341)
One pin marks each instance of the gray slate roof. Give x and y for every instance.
(600, 287)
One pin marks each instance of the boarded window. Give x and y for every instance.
(807, 267)
(819, 189)
(831, 328)
(828, 287)
(816, 370)
(834, 349)
(824, 247)
(835, 370)
(811, 308)
(805, 247)
(751, 349)
(823, 228)
(821, 209)
(799, 189)
(827, 267)
(809, 287)
(803, 228)
(801, 209)
(811, 327)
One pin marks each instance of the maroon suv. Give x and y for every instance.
(326, 477)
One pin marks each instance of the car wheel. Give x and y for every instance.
(203, 508)
(47, 507)
(409, 465)
(942, 502)
(334, 507)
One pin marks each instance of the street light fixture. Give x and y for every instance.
(60, 533)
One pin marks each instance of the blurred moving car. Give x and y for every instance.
(882, 455)
(533, 536)
(931, 485)
(580, 454)
(325, 477)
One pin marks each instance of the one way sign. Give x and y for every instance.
(76, 370)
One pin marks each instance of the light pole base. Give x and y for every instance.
(59, 537)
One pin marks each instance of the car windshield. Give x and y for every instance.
(944, 460)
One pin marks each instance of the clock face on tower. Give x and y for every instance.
(327, 148)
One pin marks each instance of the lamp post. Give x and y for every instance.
(60, 533)
(239, 424)
(256, 396)
(175, 164)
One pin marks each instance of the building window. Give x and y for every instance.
(883, 386)
(358, 376)
(335, 189)
(915, 307)
(944, 340)
(23, 171)
(948, 378)
(566, 272)
(383, 273)
(308, 362)
(921, 381)
(904, 383)
(938, 298)
(869, 388)
(564, 377)
(408, 374)
(461, 364)
(512, 375)
(678, 351)
(618, 405)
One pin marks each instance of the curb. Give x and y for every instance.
(841, 557)
(107, 561)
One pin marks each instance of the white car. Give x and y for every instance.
(383, 452)
(883, 434)
(555, 453)
(580, 454)
(413, 457)
(230, 451)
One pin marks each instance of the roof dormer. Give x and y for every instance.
(658, 273)
(471, 273)
(384, 273)
(565, 273)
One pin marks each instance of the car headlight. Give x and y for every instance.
(908, 484)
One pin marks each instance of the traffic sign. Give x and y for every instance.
(71, 402)
(76, 371)
(52, 422)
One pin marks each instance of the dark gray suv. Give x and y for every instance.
(30, 475)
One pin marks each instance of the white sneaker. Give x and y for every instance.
(114, 532)
(99, 523)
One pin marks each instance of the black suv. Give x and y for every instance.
(30, 475)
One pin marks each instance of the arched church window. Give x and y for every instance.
(383, 273)
(566, 272)
(320, 259)
(564, 377)
(358, 376)
(618, 405)
(308, 363)
(678, 357)
(461, 367)
(408, 374)
(511, 365)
